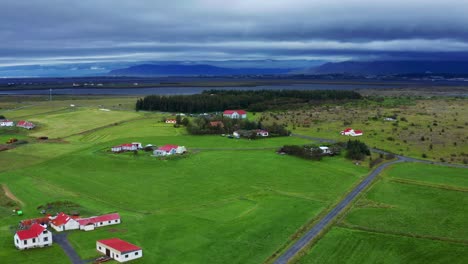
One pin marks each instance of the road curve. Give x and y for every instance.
(325, 221)
(62, 240)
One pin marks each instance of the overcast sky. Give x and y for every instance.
(57, 31)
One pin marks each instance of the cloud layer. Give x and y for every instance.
(58, 31)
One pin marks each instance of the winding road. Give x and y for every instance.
(308, 237)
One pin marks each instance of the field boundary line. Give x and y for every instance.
(395, 233)
(430, 185)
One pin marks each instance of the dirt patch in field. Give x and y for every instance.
(6, 147)
(10, 195)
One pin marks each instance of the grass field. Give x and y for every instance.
(219, 204)
(415, 214)
(343, 245)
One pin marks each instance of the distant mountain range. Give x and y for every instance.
(391, 67)
(199, 69)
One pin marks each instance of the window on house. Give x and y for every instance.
(136, 253)
(117, 256)
(34, 240)
(99, 248)
(25, 242)
(46, 239)
(109, 222)
(17, 241)
(126, 256)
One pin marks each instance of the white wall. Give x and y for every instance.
(44, 239)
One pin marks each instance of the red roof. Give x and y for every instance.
(119, 245)
(230, 112)
(216, 123)
(61, 219)
(168, 148)
(127, 145)
(347, 130)
(358, 131)
(34, 231)
(97, 219)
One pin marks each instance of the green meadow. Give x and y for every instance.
(416, 213)
(227, 201)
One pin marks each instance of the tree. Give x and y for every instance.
(2, 117)
(356, 150)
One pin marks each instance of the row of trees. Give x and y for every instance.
(219, 100)
(221, 125)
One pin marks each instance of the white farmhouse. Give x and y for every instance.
(6, 123)
(92, 222)
(262, 133)
(167, 150)
(63, 222)
(35, 236)
(118, 249)
(325, 150)
(235, 114)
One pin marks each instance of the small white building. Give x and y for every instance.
(325, 150)
(6, 123)
(36, 236)
(116, 149)
(25, 124)
(171, 121)
(137, 144)
(90, 223)
(389, 119)
(63, 222)
(262, 133)
(129, 147)
(166, 150)
(118, 249)
(235, 114)
(236, 134)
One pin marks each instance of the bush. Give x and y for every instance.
(356, 150)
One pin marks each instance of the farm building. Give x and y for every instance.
(25, 124)
(118, 249)
(262, 133)
(6, 123)
(35, 236)
(91, 223)
(169, 150)
(171, 121)
(127, 147)
(351, 132)
(63, 222)
(235, 114)
(325, 150)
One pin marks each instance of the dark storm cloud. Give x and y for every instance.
(40, 31)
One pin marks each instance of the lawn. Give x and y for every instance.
(342, 245)
(210, 207)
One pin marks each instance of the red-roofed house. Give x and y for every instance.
(92, 222)
(216, 124)
(63, 222)
(25, 124)
(169, 150)
(235, 114)
(262, 133)
(35, 236)
(171, 121)
(116, 148)
(6, 123)
(118, 249)
(129, 147)
(351, 132)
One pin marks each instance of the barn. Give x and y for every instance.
(118, 249)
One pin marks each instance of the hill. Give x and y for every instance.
(391, 67)
(198, 69)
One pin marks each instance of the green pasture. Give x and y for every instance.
(342, 245)
(211, 207)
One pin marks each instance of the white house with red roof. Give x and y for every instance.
(36, 236)
(262, 133)
(93, 222)
(235, 114)
(118, 249)
(171, 121)
(167, 150)
(351, 132)
(25, 124)
(63, 222)
(6, 123)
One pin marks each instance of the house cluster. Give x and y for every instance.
(22, 123)
(171, 121)
(37, 234)
(235, 114)
(168, 150)
(351, 132)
